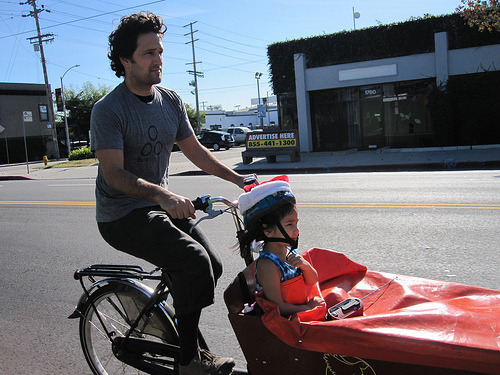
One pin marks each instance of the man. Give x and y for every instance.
(133, 131)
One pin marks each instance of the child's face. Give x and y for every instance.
(289, 224)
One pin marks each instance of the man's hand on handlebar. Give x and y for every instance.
(178, 207)
(248, 179)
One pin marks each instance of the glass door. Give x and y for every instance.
(372, 117)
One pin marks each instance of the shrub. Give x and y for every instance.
(81, 153)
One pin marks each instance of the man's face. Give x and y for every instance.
(145, 66)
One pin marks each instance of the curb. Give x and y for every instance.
(377, 168)
(475, 165)
(14, 178)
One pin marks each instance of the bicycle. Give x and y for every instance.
(127, 326)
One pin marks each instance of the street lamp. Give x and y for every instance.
(257, 77)
(64, 108)
(354, 16)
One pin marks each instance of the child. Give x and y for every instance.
(271, 221)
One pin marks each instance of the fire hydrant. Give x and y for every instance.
(45, 160)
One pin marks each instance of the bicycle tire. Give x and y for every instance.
(119, 304)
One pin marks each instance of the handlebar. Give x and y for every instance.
(205, 203)
(200, 203)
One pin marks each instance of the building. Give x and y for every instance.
(247, 117)
(24, 116)
(374, 88)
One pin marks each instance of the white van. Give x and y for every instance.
(239, 133)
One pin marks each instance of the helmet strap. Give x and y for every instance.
(287, 239)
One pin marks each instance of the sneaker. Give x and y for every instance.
(206, 363)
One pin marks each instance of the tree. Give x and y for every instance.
(191, 112)
(483, 14)
(79, 103)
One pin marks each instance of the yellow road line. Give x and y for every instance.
(47, 203)
(470, 206)
(403, 205)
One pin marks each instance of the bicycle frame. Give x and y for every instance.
(130, 275)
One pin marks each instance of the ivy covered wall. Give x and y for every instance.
(394, 40)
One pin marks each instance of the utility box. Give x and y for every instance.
(269, 144)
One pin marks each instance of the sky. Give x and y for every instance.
(231, 39)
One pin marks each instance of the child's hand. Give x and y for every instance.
(315, 302)
(297, 261)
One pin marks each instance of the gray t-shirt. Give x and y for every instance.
(145, 132)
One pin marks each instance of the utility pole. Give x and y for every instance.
(39, 40)
(194, 71)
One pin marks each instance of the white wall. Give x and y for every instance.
(240, 118)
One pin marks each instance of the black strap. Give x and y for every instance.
(293, 243)
(244, 288)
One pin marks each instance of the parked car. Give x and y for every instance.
(75, 145)
(239, 133)
(216, 139)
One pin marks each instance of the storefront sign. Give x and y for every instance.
(272, 140)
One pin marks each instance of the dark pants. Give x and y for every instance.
(191, 261)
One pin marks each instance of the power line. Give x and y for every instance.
(231, 41)
(222, 54)
(227, 87)
(86, 18)
(233, 66)
(232, 49)
(232, 32)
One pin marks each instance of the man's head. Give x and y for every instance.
(123, 40)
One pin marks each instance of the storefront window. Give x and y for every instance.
(408, 118)
(334, 119)
(391, 114)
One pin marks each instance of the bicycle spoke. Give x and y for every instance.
(114, 310)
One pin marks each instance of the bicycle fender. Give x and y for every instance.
(83, 302)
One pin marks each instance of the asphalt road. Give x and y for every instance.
(439, 225)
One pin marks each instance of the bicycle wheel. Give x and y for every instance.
(119, 304)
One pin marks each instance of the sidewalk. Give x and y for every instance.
(477, 157)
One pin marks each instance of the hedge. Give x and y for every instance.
(81, 153)
(394, 40)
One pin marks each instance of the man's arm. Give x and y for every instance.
(200, 156)
(111, 163)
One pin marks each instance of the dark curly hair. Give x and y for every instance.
(123, 40)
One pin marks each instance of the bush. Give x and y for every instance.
(81, 153)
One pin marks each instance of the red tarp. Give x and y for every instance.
(410, 320)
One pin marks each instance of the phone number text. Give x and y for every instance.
(272, 143)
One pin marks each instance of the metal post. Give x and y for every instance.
(64, 109)
(354, 16)
(3, 130)
(267, 111)
(257, 77)
(25, 146)
(7, 148)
